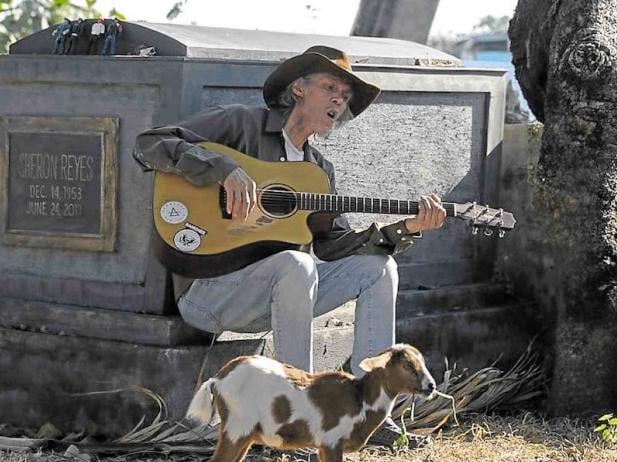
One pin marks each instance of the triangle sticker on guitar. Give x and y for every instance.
(195, 237)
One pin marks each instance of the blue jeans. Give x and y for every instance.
(285, 291)
(109, 46)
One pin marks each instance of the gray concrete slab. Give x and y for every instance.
(214, 42)
(471, 338)
(332, 344)
(128, 278)
(52, 378)
(412, 157)
(451, 298)
(437, 274)
(96, 323)
(51, 375)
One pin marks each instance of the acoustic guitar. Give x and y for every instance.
(195, 237)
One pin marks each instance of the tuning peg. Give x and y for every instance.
(502, 233)
(474, 230)
(488, 231)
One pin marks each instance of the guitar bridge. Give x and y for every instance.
(223, 204)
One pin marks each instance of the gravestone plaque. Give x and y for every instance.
(61, 182)
(54, 183)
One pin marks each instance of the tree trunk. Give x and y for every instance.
(565, 54)
(401, 19)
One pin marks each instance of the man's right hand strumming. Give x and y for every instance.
(241, 194)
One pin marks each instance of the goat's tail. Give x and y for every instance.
(201, 408)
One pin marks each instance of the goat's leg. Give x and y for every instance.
(229, 451)
(327, 454)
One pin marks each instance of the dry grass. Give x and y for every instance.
(521, 438)
(480, 436)
(524, 437)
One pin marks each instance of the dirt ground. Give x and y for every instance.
(524, 437)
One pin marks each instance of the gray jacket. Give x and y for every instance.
(257, 132)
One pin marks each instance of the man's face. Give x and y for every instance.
(323, 99)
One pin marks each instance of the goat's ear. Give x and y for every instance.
(368, 364)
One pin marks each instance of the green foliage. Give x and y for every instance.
(19, 18)
(493, 24)
(535, 130)
(608, 429)
(402, 441)
(116, 14)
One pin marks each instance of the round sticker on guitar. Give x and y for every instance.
(187, 240)
(174, 212)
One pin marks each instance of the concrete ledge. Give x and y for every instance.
(332, 345)
(98, 323)
(464, 296)
(44, 375)
(47, 377)
(437, 274)
(471, 338)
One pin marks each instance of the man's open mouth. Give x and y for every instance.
(332, 114)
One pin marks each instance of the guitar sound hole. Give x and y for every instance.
(278, 201)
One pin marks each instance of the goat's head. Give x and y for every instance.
(404, 370)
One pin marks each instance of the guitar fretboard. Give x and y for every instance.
(345, 204)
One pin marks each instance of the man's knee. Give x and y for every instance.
(391, 267)
(298, 265)
(381, 266)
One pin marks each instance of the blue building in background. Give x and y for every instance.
(485, 47)
(492, 50)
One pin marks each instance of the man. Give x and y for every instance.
(96, 32)
(76, 32)
(111, 36)
(307, 94)
(60, 34)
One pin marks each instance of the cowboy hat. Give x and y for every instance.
(319, 59)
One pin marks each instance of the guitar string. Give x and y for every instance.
(296, 195)
(335, 201)
(320, 202)
(292, 195)
(332, 201)
(317, 197)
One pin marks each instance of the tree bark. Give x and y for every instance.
(565, 55)
(401, 19)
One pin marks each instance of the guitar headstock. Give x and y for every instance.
(482, 216)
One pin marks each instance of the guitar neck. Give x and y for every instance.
(346, 204)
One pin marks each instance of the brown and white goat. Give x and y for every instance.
(262, 401)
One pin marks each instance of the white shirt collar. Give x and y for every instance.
(293, 153)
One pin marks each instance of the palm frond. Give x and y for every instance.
(460, 393)
(486, 390)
